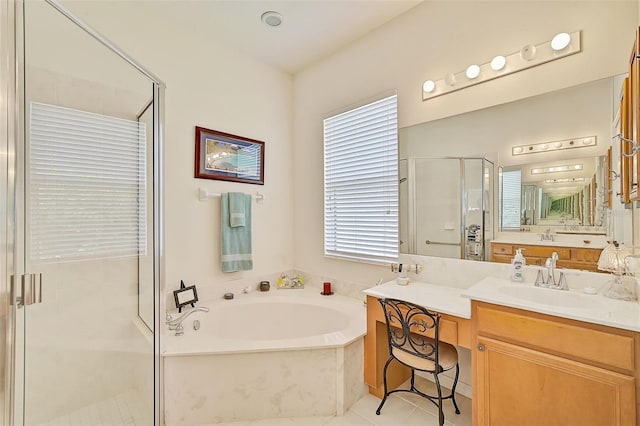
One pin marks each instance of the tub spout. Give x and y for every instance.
(176, 323)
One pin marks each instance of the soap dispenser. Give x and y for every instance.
(517, 263)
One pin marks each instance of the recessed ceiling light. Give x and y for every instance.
(271, 18)
(560, 41)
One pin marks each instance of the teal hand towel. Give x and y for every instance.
(236, 241)
(236, 209)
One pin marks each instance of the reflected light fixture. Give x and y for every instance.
(530, 55)
(564, 180)
(583, 142)
(557, 169)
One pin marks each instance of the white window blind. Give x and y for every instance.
(511, 197)
(86, 181)
(361, 182)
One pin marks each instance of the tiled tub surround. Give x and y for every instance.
(277, 354)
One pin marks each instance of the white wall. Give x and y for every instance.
(433, 39)
(212, 86)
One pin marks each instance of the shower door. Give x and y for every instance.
(87, 228)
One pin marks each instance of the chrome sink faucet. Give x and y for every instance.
(551, 282)
(547, 236)
(176, 323)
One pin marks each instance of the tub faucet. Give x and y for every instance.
(176, 323)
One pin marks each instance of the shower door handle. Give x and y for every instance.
(30, 290)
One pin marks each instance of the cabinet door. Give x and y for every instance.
(625, 147)
(518, 386)
(634, 119)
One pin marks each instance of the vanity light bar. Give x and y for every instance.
(555, 145)
(562, 45)
(556, 169)
(564, 180)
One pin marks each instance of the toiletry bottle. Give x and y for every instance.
(517, 263)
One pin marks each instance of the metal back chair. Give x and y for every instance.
(413, 334)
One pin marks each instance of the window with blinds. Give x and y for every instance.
(86, 185)
(511, 198)
(361, 183)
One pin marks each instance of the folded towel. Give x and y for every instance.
(236, 209)
(236, 241)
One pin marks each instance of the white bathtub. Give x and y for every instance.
(282, 353)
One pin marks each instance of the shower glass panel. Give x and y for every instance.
(446, 207)
(437, 207)
(88, 223)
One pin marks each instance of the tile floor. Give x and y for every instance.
(401, 409)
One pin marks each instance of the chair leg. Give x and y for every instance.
(453, 389)
(384, 377)
(439, 389)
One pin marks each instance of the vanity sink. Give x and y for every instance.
(550, 297)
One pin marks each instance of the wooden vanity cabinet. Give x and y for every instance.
(536, 369)
(568, 257)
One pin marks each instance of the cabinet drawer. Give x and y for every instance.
(563, 337)
(502, 249)
(586, 255)
(546, 251)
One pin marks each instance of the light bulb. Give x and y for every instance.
(498, 63)
(450, 79)
(560, 41)
(429, 86)
(473, 71)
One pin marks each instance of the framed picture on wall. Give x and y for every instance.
(223, 156)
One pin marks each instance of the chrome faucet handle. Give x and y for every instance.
(167, 317)
(562, 282)
(539, 279)
(179, 330)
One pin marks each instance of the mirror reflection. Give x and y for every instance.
(563, 201)
(567, 195)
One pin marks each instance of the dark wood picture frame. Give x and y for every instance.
(185, 296)
(223, 156)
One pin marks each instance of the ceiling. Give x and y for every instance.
(311, 29)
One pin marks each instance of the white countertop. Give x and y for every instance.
(572, 304)
(595, 309)
(443, 299)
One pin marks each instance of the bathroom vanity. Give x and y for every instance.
(539, 356)
(582, 257)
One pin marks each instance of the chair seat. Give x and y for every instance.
(447, 357)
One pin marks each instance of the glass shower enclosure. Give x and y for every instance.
(446, 207)
(82, 161)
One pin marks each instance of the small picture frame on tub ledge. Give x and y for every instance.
(185, 296)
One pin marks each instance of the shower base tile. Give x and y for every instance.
(125, 409)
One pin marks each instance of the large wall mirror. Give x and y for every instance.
(570, 201)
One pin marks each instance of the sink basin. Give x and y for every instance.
(550, 297)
